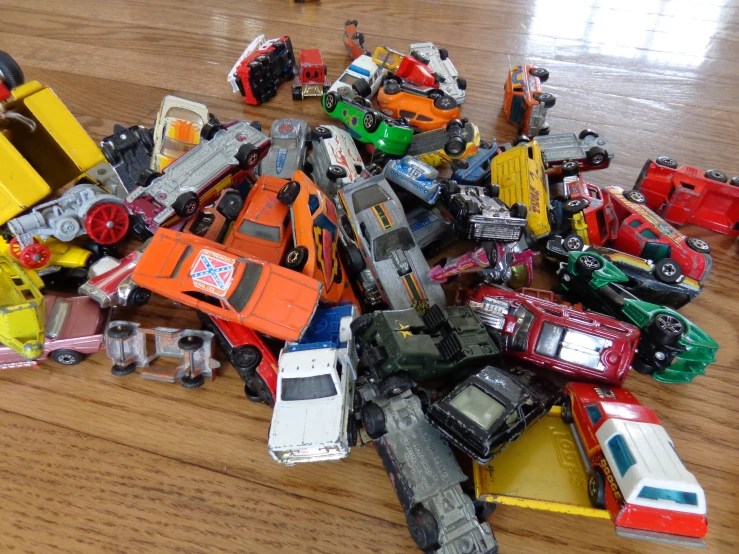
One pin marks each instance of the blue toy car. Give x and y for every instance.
(475, 170)
(416, 177)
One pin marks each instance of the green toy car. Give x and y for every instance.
(672, 349)
(398, 347)
(366, 124)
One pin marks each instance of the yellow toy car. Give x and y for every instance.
(42, 146)
(519, 173)
(22, 311)
(62, 255)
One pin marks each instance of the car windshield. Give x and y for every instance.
(571, 346)
(285, 142)
(259, 231)
(307, 388)
(679, 497)
(399, 239)
(520, 338)
(478, 406)
(368, 197)
(184, 113)
(243, 291)
(173, 148)
(348, 79)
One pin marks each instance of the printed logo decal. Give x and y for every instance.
(212, 272)
(285, 129)
(404, 330)
(281, 157)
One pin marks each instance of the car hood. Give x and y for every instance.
(303, 424)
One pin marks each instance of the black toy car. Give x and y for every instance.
(487, 411)
(129, 152)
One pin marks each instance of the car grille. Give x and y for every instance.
(505, 229)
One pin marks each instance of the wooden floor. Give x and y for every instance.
(94, 463)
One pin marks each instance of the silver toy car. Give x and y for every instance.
(416, 177)
(374, 224)
(287, 153)
(334, 158)
(588, 149)
(441, 518)
(479, 215)
(439, 62)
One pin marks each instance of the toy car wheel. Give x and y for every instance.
(245, 358)
(541, 73)
(330, 101)
(445, 102)
(484, 509)
(449, 187)
(138, 229)
(573, 243)
(699, 245)
(10, 71)
(189, 382)
(362, 88)
(335, 172)
(443, 53)
(666, 329)
(371, 121)
(420, 57)
(186, 204)
(66, 357)
(297, 92)
(575, 206)
(455, 146)
(230, 204)
(587, 264)
(519, 210)
(289, 192)
(107, 222)
(716, 175)
(296, 258)
(423, 527)
(190, 342)
(461, 83)
(521, 139)
(570, 168)
(320, 132)
(666, 161)
(635, 196)
(247, 156)
(642, 367)
(240, 85)
(734, 181)
(597, 488)
(373, 420)
(147, 176)
(545, 129)
(492, 190)
(110, 152)
(395, 385)
(597, 156)
(138, 296)
(35, 256)
(121, 331)
(361, 324)
(454, 125)
(123, 370)
(567, 411)
(209, 130)
(546, 98)
(668, 270)
(585, 133)
(391, 87)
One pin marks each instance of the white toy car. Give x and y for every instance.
(439, 62)
(313, 419)
(335, 159)
(177, 129)
(352, 82)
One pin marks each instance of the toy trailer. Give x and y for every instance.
(686, 195)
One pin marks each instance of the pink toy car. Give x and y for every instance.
(75, 327)
(496, 262)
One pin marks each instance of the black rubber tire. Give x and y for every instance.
(666, 161)
(635, 196)
(231, 204)
(519, 210)
(66, 356)
(138, 297)
(573, 243)
(574, 206)
(256, 390)
(289, 192)
(361, 324)
(190, 343)
(330, 101)
(371, 121)
(443, 53)
(394, 385)
(597, 156)
(665, 329)
(461, 83)
(484, 509)
(445, 102)
(362, 88)
(248, 156)
(699, 245)
(641, 367)
(123, 370)
(521, 139)
(716, 175)
(451, 187)
(336, 172)
(246, 357)
(320, 133)
(587, 133)
(296, 258)
(391, 87)
(186, 204)
(668, 270)
(567, 411)
(492, 190)
(587, 264)
(423, 527)
(540, 72)
(455, 146)
(373, 420)
(297, 92)
(597, 488)
(121, 331)
(570, 168)
(734, 181)
(196, 382)
(138, 230)
(546, 98)
(209, 130)
(11, 71)
(147, 176)
(352, 259)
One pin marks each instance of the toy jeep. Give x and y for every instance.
(310, 75)
(399, 346)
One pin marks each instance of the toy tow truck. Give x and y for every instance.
(310, 75)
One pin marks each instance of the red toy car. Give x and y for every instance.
(687, 195)
(310, 75)
(583, 345)
(110, 283)
(264, 65)
(635, 472)
(252, 359)
(409, 67)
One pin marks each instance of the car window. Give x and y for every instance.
(184, 113)
(368, 197)
(399, 238)
(243, 291)
(307, 388)
(647, 233)
(313, 203)
(621, 454)
(285, 142)
(202, 297)
(571, 346)
(259, 231)
(348, 79)
(635, 223)
(594, 414)
(478, 406)
(520, 338)
(680, 497)
(173, 148)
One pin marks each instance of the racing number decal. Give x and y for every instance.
(382, 217)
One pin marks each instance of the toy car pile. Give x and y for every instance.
(310, 270)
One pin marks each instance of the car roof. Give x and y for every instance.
(307, 363)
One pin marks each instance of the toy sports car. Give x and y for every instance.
(289, 143)
(334, 158)
(439, 62)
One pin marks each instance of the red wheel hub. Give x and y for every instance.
(15, 248)
(107, 223)
(35, 256)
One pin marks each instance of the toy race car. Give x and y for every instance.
(487, 411)
(311, 77)
(687, 195)
(671, 349)
(366, 124)
(261, 68)
(588, 149)
(443, 68)
(525, 104)
(177, 130)
(458, 140)
(110, 282)
(416, 177)
(426, 108)
(496, 262)
(409, 68)
(334, 158)
(289, 144)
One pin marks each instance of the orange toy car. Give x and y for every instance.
(315, 233)
(221, 282)
(262, 229)
(525, 104)
(353, 39)
(426, 108)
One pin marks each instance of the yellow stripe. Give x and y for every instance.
(547, 506)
